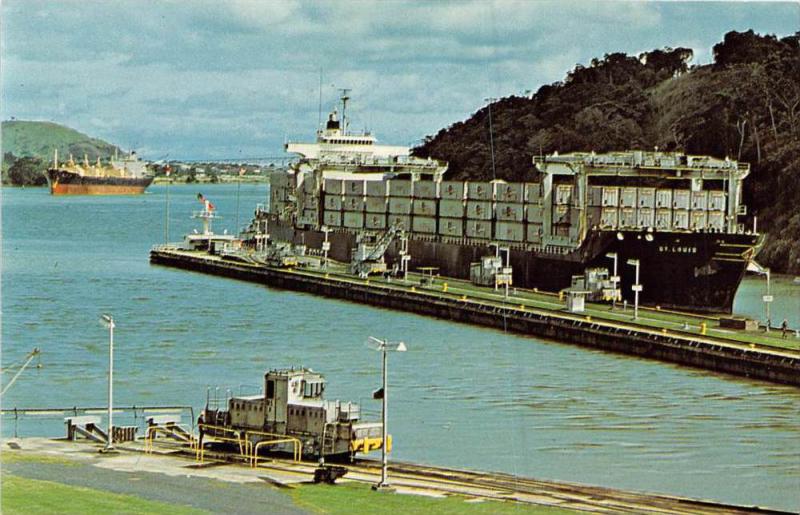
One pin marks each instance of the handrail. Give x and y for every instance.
(297, 444)
(244, 445)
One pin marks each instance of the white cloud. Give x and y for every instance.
(204, 77)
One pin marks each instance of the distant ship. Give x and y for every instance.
(118, 177)
(673, 215)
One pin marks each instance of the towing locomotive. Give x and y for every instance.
(292, 405)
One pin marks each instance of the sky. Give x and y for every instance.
(198, 79)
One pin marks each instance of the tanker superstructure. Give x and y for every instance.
(125, 176)
(677, 214)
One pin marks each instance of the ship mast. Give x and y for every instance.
(344, 98)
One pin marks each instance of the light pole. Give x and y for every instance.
(167, 172)
(636, 287)
(385, 346)
(238, 189)
(108, 321)
(768, 298)
(326, 246)
(614, 279)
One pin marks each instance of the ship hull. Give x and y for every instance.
(62, 182)
(695, 271)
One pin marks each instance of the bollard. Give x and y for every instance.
(561, 295)
(464, 297)
(703, 327)
(444, 287)
(522, 307)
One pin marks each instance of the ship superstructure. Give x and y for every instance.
(678, 214)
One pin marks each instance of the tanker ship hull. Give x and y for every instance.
(67, 183)
(692, 271)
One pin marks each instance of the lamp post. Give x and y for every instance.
(636, 287)
(767, 298)
(167, 172)
(385, 346)
(326, 246)
(108, 321)
(614, 279)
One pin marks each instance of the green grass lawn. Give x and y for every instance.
(33, 496)
(359, 499)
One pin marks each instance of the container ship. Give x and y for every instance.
(124, 176)
(676, 217)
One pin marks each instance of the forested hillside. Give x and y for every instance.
(30, 145)
(745, 105)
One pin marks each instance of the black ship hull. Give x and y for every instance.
(693, 271)
(63, 182)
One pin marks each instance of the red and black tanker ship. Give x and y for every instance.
(118, 177)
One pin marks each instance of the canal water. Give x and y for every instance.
(461, 396)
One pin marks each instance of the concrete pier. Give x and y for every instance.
(702, 351)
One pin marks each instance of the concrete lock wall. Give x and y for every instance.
(753, 363)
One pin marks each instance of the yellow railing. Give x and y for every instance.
(297, 445)
(236, 437)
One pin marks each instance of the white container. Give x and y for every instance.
(375, 221)
(451, 208)
(480, 190)
(645, 217)
(533, 192)
(509, 231)
(647, 198)
(402, 221)
(377, 188)
(663, 199)
(451, 227)
(535, 214)
(452, 190)
(510, 212)
(627, 198)
(479, 210)
(534, 233)
(609, 218)
(510, 191)
(354, 187)
(376, 204)
(353, 220)
(699, 200)
(663, 219)
(334, 186)
(479, 229)
(332, 218)
(400, 205)
(333, 202)
(424, 224)
(610, 196)
(563, 194)
(353, 203)
(426, 189)
(680, 219)
(680, 199)
(424, 207)
(400, 188)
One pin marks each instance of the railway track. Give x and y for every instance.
(506, 487)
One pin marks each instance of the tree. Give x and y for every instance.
(28, 171)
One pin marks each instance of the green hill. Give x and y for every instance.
(745, 105)
(40, 139)
(28, 149)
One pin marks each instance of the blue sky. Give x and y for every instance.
(225, 79)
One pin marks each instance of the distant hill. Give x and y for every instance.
(28, 149)
(745, 105)
(40, 139)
